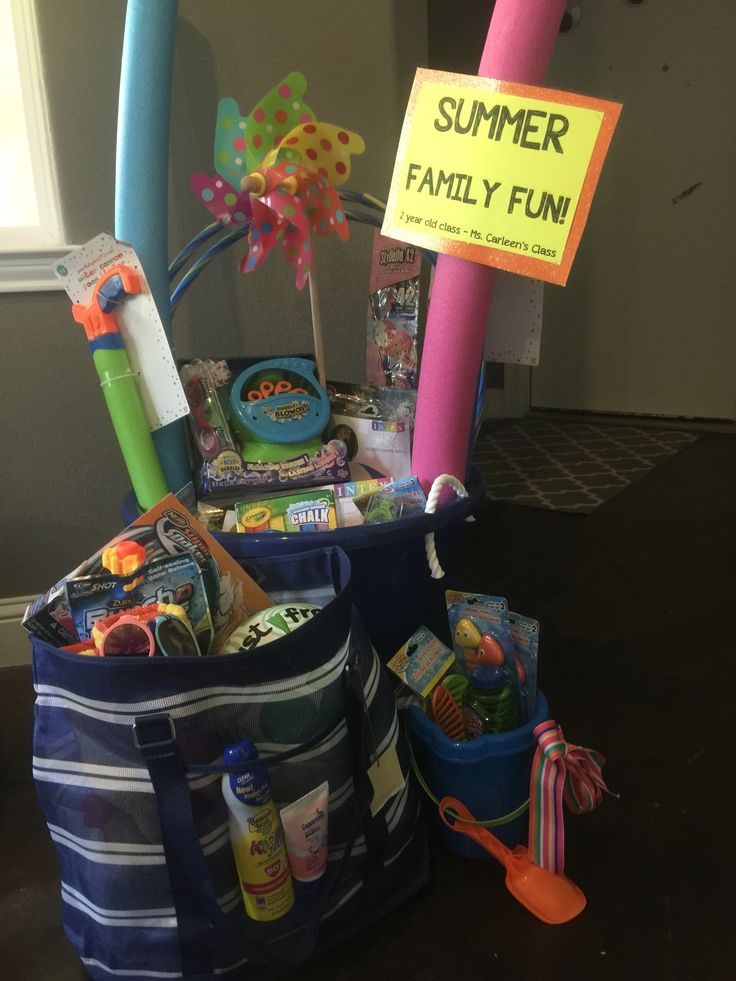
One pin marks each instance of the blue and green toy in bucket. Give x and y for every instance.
(490, 775)
(493, 763)
(473, 738)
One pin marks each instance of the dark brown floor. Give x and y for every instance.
(636, 603)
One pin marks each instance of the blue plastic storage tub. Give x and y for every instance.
(490, 775)
(392, 585)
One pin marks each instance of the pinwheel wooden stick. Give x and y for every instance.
(319, 350)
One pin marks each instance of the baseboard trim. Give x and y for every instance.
(726, 426)
(14, 646)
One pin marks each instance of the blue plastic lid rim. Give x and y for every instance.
(484, 747)
(361, 536)
(269, 543)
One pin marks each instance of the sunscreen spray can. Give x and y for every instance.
(256, 836)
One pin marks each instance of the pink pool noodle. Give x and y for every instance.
(518, 48)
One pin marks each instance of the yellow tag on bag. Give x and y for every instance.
(386, 777)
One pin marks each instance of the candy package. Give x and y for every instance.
(393, 314)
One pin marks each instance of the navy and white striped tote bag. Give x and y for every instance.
(128, 764)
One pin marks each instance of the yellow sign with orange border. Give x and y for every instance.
(498, 173)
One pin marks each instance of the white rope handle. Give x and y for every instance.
(443, 480)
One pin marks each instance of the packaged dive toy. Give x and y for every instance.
(256, 836)
(525, 635)
(393, 314)
(481, 636)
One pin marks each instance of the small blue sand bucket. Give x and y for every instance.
(490, 775)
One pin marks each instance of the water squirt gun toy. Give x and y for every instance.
(279, 409)
(118, 382)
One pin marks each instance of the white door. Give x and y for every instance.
(646, 322)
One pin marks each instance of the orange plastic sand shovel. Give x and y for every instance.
(551, 898)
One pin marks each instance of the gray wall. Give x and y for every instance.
(63, 476)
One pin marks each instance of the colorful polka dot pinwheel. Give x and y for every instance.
(277, 169)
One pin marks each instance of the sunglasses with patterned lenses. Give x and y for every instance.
(166, 635)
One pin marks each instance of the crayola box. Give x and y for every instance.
(308, 510)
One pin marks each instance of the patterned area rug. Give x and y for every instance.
(570, 466)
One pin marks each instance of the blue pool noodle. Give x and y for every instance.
(141, 179)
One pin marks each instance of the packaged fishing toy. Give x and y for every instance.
(393, 314)
(480, 630)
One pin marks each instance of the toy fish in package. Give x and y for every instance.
(481, 635)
